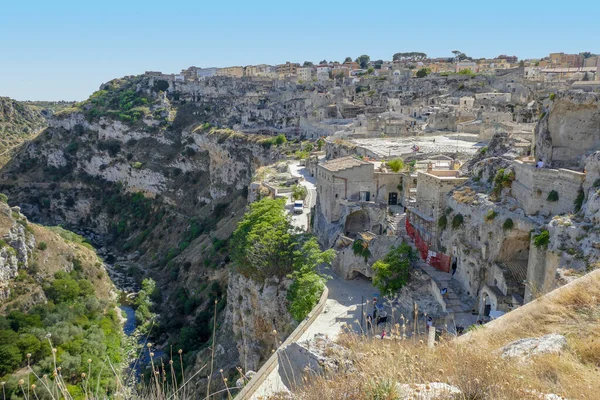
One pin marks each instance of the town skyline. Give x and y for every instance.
(65, 50)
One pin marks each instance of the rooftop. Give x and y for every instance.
(340, 164)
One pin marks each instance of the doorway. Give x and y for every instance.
(393, 199)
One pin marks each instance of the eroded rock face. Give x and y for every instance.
(258, 315)
(568, 132)
(526, 348)
(16, 248)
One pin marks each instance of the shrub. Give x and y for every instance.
(71, 148)
(457, 221)
(396, 165)
(483, 150)
(491, 214)
(299, 192)
(552, 196)
(42, 246)
(137, 165)
(552, 96)
(3, 198)
(508, 224)
(443, 222)
(578, 202)
(280, 139)
(541, 239)
(361, 249)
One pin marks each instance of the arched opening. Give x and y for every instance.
(357, 222)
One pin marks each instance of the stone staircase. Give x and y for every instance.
(397, 224)
(456, 300)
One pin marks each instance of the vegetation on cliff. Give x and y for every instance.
(266, 245)
(61, 298)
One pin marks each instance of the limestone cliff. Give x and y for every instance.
(568, 130)
(258, 315)
(153, 186)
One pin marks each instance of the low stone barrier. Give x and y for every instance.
(272, 363)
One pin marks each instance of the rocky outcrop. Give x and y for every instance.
(524, 349)
(258, 316)
(16, 246)
(568, 130)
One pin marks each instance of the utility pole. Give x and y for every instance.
(362, 311)
(415, 316)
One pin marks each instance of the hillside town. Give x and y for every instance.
(269, 220)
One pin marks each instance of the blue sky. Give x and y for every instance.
(63, 50)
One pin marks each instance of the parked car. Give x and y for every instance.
(298, 206)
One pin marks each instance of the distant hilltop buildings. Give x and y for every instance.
(583, 67)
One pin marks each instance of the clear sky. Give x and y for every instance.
(63, 49)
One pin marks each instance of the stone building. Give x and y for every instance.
(287, 69)
(346, 179)
(234, 72)
(432, 188)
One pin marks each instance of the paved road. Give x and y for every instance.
(302, 220)
(344, 306)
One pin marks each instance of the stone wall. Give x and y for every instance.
(569, 130)
(532, 186)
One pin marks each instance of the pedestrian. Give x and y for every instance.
(444, 292)
(375, 314)
(429, 323)
(540, 164)
(382, 334)
(454, 267)
(369, 323)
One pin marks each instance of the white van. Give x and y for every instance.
(298, 206)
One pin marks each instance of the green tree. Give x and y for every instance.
(423, 72)
(299, 192)
(392, 272)
(262, 242)
(347, 60)
(396, 164)
(307, 64)
(363, 61)
(143, 302)
(10, 358)
(308, 283)
(264, 245)
(64, 289)
(320, 144)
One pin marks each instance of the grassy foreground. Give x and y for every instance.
(473, 362)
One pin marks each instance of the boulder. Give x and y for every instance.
(428, 391)
(525, 348)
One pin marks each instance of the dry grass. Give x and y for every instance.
(473, 363)
(465, 195)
